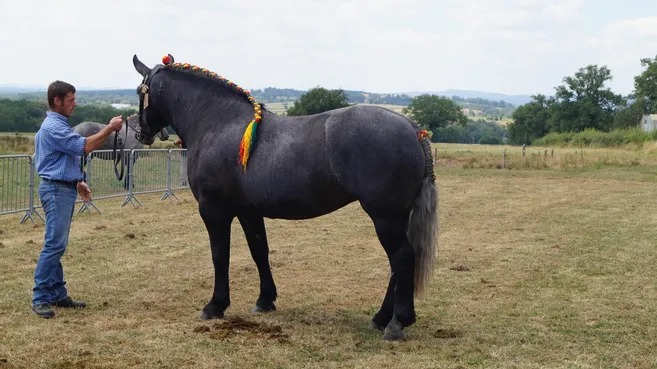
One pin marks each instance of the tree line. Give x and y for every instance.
(27, 115)
(440, 115)
(583, 102)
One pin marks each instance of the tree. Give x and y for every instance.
(318, 100)
(645, 85)
(432, 112)
(490, 140)
(530, 121)
(452, 133)
(584, 102)
(629, 113)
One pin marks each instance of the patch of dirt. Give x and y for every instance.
(29, 242)
(99, 227)
(460, 268)
(233, 326)
(2, 246)
(446, 333)
(130, 236)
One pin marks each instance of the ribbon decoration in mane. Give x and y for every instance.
(249, 138)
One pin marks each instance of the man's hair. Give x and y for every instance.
(58, 89)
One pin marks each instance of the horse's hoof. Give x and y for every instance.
(394, 331)
(206, 316)
(394, 335)
(262, 309)
(375, 326)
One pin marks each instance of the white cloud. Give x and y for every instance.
(513, 46)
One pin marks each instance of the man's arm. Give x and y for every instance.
(95, 141)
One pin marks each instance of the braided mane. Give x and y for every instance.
(249, 138)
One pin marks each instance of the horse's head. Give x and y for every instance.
(151, 119)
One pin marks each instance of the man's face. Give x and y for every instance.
(66, 106)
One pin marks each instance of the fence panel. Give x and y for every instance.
(15, 171)
(146, 171)
(179, 169)
(102, 178)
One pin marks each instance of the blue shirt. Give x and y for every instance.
(58, 149)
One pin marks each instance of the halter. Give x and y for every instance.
(142, 91)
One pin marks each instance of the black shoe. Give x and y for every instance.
(43, 310)
(69, 303)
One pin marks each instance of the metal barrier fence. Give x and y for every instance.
(146, 171)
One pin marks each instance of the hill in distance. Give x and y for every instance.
(516, 100)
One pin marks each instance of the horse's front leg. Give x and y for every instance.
(256, 236)
(217, 221)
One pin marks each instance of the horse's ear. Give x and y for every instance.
(140, 67)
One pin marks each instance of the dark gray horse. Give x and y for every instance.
(300, 168)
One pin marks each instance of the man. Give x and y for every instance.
(57, 158)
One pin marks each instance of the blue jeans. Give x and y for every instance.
(58, 201)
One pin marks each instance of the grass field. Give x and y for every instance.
(541, 266)
(23, 143)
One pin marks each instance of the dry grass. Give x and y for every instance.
(16, 144)
(533, 272)
(492, 157)
(23, 143)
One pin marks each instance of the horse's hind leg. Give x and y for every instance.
(256, 236)
(384, 315)
(397, 310)
(218, 222)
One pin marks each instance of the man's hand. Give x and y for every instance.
(84, 191)
(95, 141)
(116, 123)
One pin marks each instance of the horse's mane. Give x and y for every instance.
(205, 73)
(248, 140)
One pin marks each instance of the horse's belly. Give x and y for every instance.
(300, 203)
(301, 210)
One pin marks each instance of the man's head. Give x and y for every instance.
(61, 98)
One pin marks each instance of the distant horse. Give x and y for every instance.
(87, 129)
(128, 142)
(297, 168)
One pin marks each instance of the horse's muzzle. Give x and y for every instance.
(144, 139)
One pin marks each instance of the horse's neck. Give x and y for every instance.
(189, 115)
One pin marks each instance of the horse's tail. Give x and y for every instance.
(423, 225)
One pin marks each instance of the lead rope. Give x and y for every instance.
(119, 158)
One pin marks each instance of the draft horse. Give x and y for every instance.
(297, 168)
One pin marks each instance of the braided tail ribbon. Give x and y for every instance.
(249, 138)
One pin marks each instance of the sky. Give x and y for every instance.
(382, 46)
